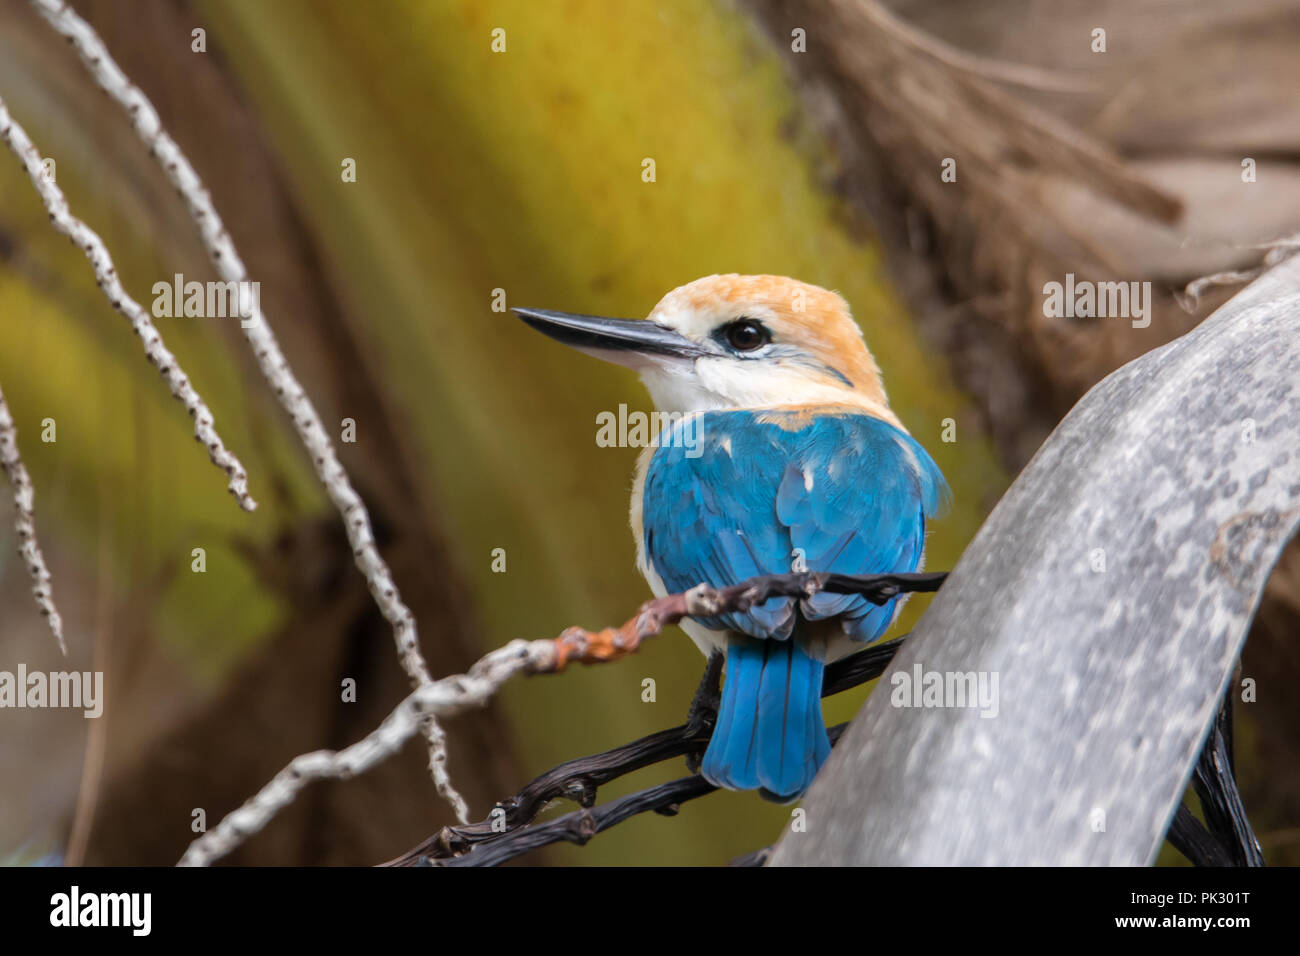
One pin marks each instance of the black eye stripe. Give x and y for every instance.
(743, 335)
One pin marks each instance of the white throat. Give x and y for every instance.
(715, 383)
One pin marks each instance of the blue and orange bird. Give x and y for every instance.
(781, 454)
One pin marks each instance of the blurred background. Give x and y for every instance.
(802, 138)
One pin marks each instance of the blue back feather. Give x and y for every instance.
(852, 493)
(725, 516)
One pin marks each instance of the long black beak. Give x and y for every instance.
(610, 337)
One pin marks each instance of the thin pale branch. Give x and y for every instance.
(270, 359)
(86, 239)
(443, 698)
(25, 523)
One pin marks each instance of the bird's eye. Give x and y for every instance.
(746, 335)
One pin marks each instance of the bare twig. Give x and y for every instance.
(272, 362)
(438, 698)
(93, 760)
(1274, 252)
(86, 239)
(452, 695)
(704, 601)
(25, 523)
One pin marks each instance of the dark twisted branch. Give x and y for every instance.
(579, 779)
(581, 825)
(1226, 838)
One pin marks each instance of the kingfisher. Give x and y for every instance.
(780, 454)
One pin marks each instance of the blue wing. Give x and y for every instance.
(848, 492)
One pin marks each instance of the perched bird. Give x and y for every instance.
(781, 454)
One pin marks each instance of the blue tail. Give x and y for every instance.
(770, 733)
